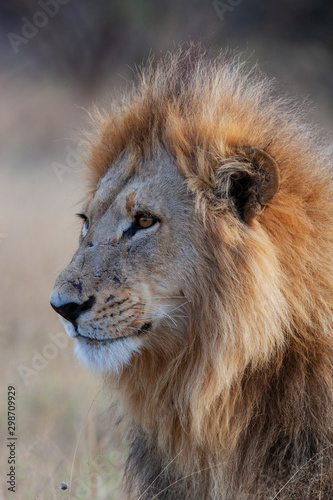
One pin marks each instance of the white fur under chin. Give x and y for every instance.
(107, 357)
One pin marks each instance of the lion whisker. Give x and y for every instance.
(170, 318)
(170, 297)
(178, 307)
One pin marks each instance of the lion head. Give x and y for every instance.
(137, 273)
(203, 278)
(131, 275)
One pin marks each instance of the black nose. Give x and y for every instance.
(72, 310)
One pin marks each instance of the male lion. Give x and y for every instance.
(203, 284)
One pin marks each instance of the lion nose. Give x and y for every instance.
(72, 310)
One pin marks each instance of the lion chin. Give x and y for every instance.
(109, 355)
(202, 284)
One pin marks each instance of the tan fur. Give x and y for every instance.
(235, 402)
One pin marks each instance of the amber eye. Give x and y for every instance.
(145, 221)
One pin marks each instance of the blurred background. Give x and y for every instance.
(58, 58)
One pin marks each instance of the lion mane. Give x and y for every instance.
(243, 410)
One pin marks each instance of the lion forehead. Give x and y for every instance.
(154, 184)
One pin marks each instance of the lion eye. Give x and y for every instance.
(85, 223)
(142, 221)
(145, 221)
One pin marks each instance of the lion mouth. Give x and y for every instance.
(141, 331)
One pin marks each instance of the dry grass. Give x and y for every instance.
(38, 235)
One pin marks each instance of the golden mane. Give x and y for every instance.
(248, 400)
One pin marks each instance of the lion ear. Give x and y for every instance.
(252, 182)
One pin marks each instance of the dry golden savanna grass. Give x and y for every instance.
(62, 413)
